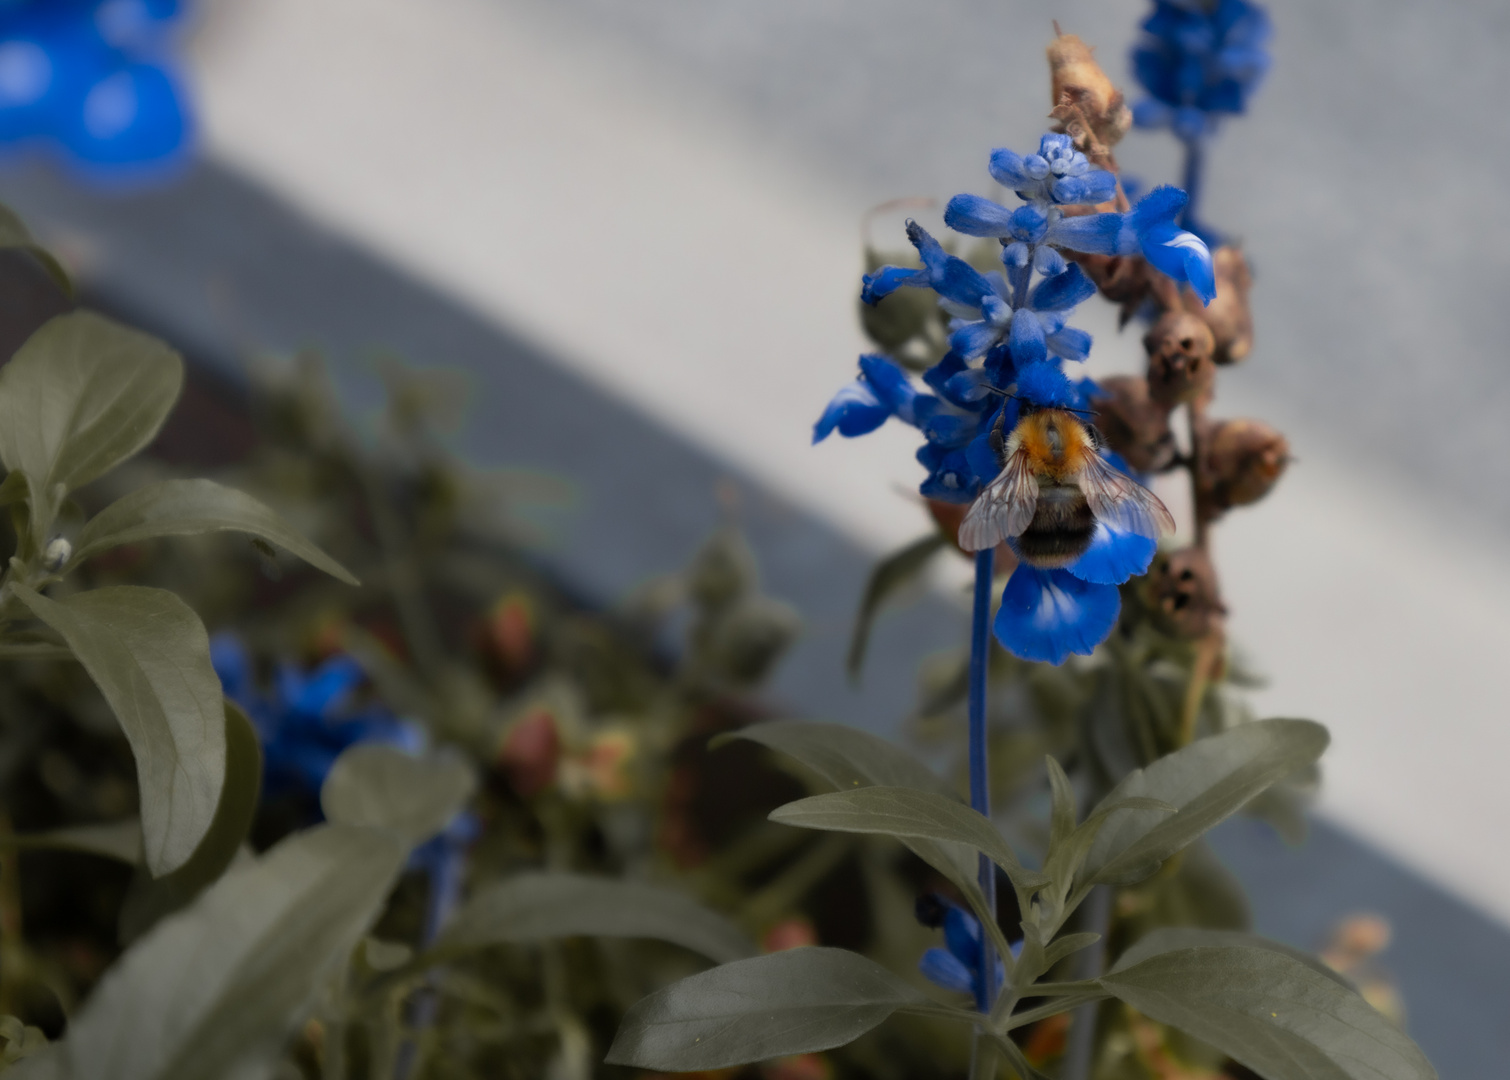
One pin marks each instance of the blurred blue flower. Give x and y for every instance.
(957, 965)
(306, 719)
(1199, 60)
(97, 82)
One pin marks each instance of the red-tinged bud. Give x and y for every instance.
(1228, 315)
(602, 771)
(1047, 1039)
(1180, 367)
(1133, 424)
(1244, 459)
(1081, 91)
(1183, 595)
(798, 1067)
(510, 633)
(531, 752)
(791, 933)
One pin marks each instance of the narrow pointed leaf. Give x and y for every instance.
(1271, 1012)
(189, 507)
(907, 812)
(14, 234)
(538, 906)
(844, 756)
(384, 788)
(888, 576)
(218, 987)
(150, 656)
(1171, 938)
(1208, 781)
(793, 1002)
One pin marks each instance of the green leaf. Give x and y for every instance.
(382, 787)
(907, 812)
(792, 1002)
(217, 988)
(1172, 938)
(1208, 781)
(844, 756)
(1068, 945)
(149, 899)
(79, 397)
(121, 840)
(1062, 805)
(538, 906)
(1271, 1012)
(886, 577)
(189, 507)
(14, 234)
(150, 656)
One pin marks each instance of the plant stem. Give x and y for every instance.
(980, 776)
(1080, 1054)
(1195, 168)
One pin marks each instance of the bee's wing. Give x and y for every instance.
(1003, 509)
(1119, 500)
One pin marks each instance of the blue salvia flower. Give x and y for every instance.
(97, 81)
(956, 966)
(1008, 341)
(1199, 61)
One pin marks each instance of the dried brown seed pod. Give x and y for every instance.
(1228, 314)
(1180, 368)
(1133, 424)
(1079, 82)
(1182, 593)
(1244, 459)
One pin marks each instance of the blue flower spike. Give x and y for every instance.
(957, 965)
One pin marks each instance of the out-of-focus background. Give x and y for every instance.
(663, 199)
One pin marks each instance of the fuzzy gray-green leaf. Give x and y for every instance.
(907, 812)
(1208, 781)
(150, 656)
(792, 1002)
(14, 234)
(150, 899)
(539, 905)
(189, 507)
(219, 986)
(80, 396)
(382, 787)
(1271, 1012)
(844, 756)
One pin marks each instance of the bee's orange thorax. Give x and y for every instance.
(1057, 444)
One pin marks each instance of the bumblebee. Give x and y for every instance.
(1053, 488)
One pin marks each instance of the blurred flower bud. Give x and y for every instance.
(1179, 348)
(530, 753)
(792, 933)
(1244, 459)
(1133, 424)
(1080, 85)
(895, 320)
(1181, 590)
(749, 639)
(723, 571)
(602, 770)
(1228, 315)
(57, 553)
(509, 633)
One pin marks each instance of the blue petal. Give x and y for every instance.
(326, 688)
(890, 385)
(962, 936)
(1150, 113)
(1044, 385)
(1062, 291)
(973, 339)
(951, 430)
(1027, 340)
(134, 116)
(975, 216)
(1070, 343)
(982, 455)
(942, 969)
(1092, 187)
(952, 278)
(1094, 234)
(1048, 614)
(1029, 223)
(854, 410)
(1114, 556)
(1182, 255)
(888, 279)
(1161, 205)
(229, 658)
(1011, 171)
